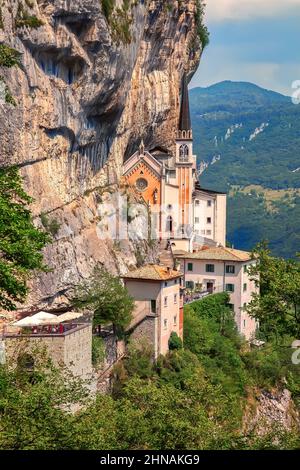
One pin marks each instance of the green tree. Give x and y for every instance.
(277, 306)
(21, 243)
(175, 342)
(109, 300)
(35, 405)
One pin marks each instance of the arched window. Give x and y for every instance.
(183, 153)
(169, 224)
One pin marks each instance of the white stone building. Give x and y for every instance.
(220, 269)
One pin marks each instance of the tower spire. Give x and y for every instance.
(185, 117)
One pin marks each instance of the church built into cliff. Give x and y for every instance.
(188, 219)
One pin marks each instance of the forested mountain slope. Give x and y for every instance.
(246, 135)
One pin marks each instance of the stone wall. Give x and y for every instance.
(146, 333)
(73, 349)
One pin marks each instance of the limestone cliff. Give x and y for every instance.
(92, 83)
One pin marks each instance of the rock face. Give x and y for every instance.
(273, 409)
(88, 90)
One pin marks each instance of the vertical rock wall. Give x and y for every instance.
(86, 94)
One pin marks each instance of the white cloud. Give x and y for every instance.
(219, 10)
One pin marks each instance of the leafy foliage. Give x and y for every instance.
(211, 334)
(21, 242)
(98, 351)
(175, 342)
(23, 18)
(109, 300)
(277, 308)
(119, 19)
(108, 7)
(202, 30)
(51, 225)
(1, 18)
(34, 408)
(9, 56)
(9, 99)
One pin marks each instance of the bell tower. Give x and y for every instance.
(185, 161)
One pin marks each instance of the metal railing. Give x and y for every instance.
(11, 331)
(199, 295)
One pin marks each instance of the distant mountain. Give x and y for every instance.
(245, 135)
(251, 135)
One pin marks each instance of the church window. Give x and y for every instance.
(142, 184)
(209, 203)
(169, 224)
(183, 153)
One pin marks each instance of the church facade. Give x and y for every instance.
(182, 211)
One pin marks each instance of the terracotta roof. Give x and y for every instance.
(153, 272)
(218, 254)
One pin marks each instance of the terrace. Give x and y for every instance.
(191, 295)
(44, 324)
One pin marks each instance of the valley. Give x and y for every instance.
(247, 142)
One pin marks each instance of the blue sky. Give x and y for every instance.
(252, 40)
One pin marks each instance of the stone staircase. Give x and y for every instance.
(166, 256)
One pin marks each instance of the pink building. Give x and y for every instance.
(158, 305)
(219, 269)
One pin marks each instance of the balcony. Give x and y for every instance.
(42, 331)
(194, 295)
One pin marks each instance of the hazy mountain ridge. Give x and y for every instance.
(270, 158)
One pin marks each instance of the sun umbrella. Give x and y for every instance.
(69, 316)
(28, 321)
(44, 316)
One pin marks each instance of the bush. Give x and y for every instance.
(107, 8)
(98, 350)
(9, 57)
(9, 99)
(202, 30)
(216, 346)
(175, 342)
(52, 226)
(23, 18)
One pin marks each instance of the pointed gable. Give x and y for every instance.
(144, 173)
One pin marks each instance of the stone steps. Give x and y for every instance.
(166, 258)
